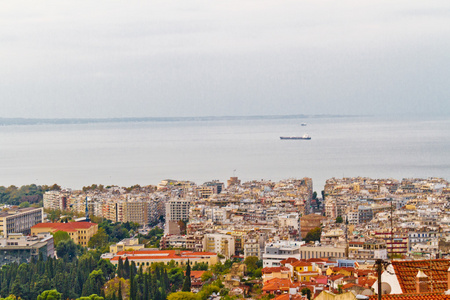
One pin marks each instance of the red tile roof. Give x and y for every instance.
(423, 296)
(268, 270)
(336, 277)
(366, 282)
(164, 254)
(71, 226)
(196, 274)
(301, 264)
(288, 297)
(277, 284)
(435, 269)
(289, 260)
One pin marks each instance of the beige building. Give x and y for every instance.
(307, 252)
(79, 232)
(56, 200)
(179, 258)
(252, 247)
(126, 211)
(219, 243)
(131, 244)
(20, 220)
(177, 209)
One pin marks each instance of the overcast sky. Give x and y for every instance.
(213, 58)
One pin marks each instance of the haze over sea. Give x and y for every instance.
(124, 152)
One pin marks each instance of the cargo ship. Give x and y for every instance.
(303, 137)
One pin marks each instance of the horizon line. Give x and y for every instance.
(38, 121)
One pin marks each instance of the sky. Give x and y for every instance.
(181, 58)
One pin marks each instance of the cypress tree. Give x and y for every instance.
(120, 268)
(146, 286)
(187, 279)
(126, 269)
(119, 296)
(166, 280)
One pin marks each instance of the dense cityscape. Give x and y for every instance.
(256, 239)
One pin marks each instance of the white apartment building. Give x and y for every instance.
(56, 200)
(275, 252)
(219, 243)
(290, 220)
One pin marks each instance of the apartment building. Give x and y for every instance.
(219, 243)
(275, 252)
(56, 200)
(397, 243)
(316, 251)
(177, 209)
(367, 250)
(126, 211)
(79, 232)
(251, 247)
(20, 220)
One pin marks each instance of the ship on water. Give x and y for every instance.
(303, 137)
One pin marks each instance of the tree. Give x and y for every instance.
(98, 240)
(107, 267)
(60, 236)
(67, 250)
(97, 280)
(314, 195)
(307, 292)
(251, 262)
(49, 295)
(206, 276)
(187, 279)
(24, 204)
(182, 296)
(339, 220)
(120, 268)
(91, 297)
(313, 235)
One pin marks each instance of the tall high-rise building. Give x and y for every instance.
(177, 209)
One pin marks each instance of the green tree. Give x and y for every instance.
(200, 267)
(252, 264)
(313, 235)
(66, 250)
(91, 297)
(206, 276)
(96, 280)
(60, 236)
(49, 295)
(98, 240)
(107, 267)
(182, 296)
(187, 279)
(307, 292)
(339, 219)
(24, 204)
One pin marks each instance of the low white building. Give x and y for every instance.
(275, 252)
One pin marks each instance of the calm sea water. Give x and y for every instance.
(147, 152)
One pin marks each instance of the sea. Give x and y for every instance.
(145, 151)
